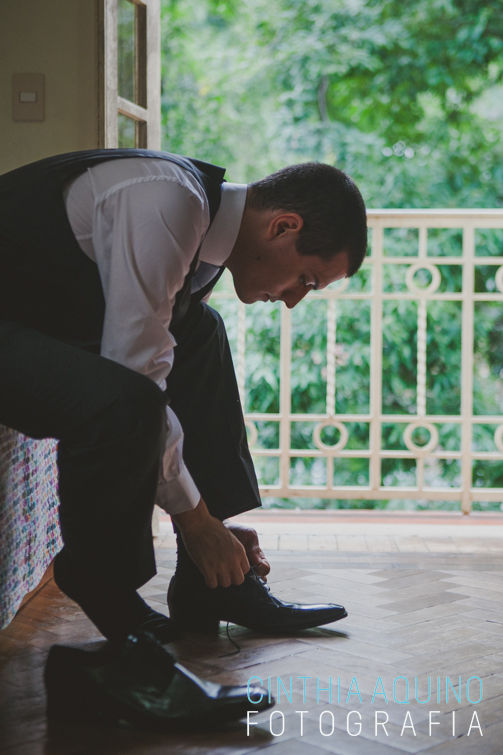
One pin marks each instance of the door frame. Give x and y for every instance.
(148, 74)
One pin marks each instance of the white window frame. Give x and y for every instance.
(149, 76)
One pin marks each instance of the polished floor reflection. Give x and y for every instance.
(429, 618)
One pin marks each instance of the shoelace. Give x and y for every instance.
(232, 641)
(265, 591)
(263, 584)
(262, 581)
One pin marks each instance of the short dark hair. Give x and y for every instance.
(329, 203)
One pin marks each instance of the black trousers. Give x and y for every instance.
(110, 424)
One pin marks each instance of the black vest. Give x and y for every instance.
(46, 280)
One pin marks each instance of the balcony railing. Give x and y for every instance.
(388, 385)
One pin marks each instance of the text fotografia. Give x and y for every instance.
(401, 691)
(353, 723)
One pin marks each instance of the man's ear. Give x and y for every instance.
(282, 222)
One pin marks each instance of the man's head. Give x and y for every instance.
(303, 227)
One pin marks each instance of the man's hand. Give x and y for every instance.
(249, 538)
(216, 552)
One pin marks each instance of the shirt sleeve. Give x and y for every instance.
(148, 232)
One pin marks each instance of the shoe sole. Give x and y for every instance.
(212, 628)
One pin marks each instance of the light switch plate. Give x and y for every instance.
(28, 96)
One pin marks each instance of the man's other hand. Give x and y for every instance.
(217, 553)
(249, 538)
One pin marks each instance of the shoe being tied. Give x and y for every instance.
(195, 607)
(136, 681)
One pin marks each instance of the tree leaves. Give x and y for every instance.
(405, 97)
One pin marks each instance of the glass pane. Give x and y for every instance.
(398, 473)
(262, 358)
(488, 358)
(489, 242)
(308, 471)
(267, 469)
(400, 242)
(399, 359)
(352, 357)
(127, 131)
(351, 472)
(443, 355)
(447, 242)
(485, 279)
(309, 353)
(126, 49)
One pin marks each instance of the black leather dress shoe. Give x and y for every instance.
(159, 626)
(138, 682)
(198, 608)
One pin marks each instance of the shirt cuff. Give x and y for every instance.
(178, 494)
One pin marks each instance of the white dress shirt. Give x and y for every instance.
(142, 220)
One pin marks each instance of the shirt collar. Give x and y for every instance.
(222, 234)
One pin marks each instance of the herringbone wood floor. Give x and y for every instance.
(411, 614)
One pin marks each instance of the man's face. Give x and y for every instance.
(268, 267)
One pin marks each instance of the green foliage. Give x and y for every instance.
(408, 99)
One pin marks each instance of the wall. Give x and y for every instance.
(58, 38)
